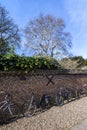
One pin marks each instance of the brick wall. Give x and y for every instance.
(20, 85)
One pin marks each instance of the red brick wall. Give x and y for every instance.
(19, 88)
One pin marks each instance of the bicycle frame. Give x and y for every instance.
(31, 101)
(5, 104)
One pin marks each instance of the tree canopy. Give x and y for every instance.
(45, 36)
(75, 62)
(9, 32)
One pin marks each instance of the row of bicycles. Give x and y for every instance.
(10, 111)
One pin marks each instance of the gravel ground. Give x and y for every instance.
(81, 126)
(56, 118)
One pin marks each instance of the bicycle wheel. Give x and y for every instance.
(29, 109)
(59, 100)
(10, 113)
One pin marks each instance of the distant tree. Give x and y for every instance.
(45, 36)
(75, 62)
(80, 60)
(9, 32)
(4, 48)
(71, 63)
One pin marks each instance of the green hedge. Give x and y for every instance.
(15, 62)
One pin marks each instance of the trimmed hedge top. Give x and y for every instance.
(15, 62)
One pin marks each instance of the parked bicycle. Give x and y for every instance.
(59, 97)
(67, 94)
(31, 105)
(45, 101)
(62, 95)
(10, 111)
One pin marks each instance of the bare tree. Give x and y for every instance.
(45, 36)
(69, 63)
(9, 32)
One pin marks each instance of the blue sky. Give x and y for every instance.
(73, 12)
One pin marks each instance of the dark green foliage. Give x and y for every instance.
(15, 62)
(85, 62)
(4, 48)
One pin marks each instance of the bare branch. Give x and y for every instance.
(9, 32)
(47, 34)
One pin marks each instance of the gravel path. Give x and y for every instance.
(57, 118)
(81, 126)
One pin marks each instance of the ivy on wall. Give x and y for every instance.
(16, 62)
